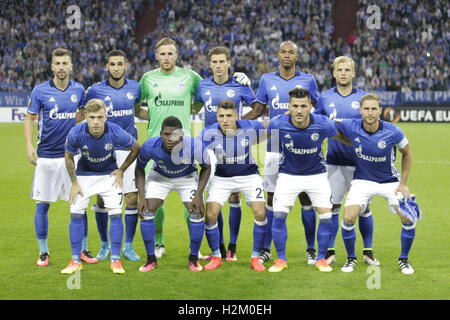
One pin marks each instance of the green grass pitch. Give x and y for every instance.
(21, 279)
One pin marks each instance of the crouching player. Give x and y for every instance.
(375, 143)
(97, 174)
(174, 157)
(236, 171)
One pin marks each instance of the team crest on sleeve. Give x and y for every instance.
(355, 104)
(315, 136)
(381, 144)
(74, 98)
(231, 93)
(108, 146)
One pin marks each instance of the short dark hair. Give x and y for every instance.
(171, 122)
(60, 52)
(219, 50)
(299, 93)
(165, 42)
(116, 53)
(226, 104)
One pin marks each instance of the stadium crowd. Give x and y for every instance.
(409, 52)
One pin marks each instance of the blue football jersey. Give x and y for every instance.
(301, 149)
(57, 115)
(375, 153)
(274, 90)
(233, 153)
(119, 102)
(178, 163)
(337, 107)
(98, 155)
(210, 94)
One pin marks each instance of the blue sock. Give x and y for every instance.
(366, 229)
(220, 225)
(334, 229)
(84, 242)
(323, 235)
(101, 216)
(212, 235)
(279, 234)
(196, 231)
(309, 223)
(116, 235)
(268, 236)
(407, 238)
(234, 220)
(76, 234)
(259, 231)
(41, 225)
(148, 235)
(349, 237)
(131, 219)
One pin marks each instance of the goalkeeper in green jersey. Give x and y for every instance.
(169, 91)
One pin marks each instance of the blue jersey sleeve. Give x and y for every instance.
(261, 94)
(273, 137)
(200, 154)
(35, 102)
(330, 128)
(398, 135)
(248, 95)
(344, 126)
(198, 96)
(71, 145)
(123, 139)
(319, 109)
(314, 89)
(144, 156)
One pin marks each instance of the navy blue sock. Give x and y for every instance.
(334, 229)
(76, 234)
(131, 219)
(84, 243)
(148, 235)
(366, 229)
(349, 237)
(309, 223)
(407, 239)
(116, 235)
(279, 234)
(234, 220)
(268, 236)
(41, 225)
(220, 226)
(101, 216)
(196, 231)
(323, 235)
(212, 235)
(259, 231)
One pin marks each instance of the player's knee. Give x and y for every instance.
(260, 215)
(195, 217)
(131, 199)
(349, 219)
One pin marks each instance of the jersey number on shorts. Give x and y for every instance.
(193, 194)
(259, 195)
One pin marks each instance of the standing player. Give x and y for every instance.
(55, 104)
(300, 136)
(122, 99)
(97, 174)
(273, 92)
(168, 91)
(375, 143)
(174, 156)
(210, 92)
(236, 171)
(342, 102)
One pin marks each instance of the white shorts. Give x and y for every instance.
(271, 167)
(98, 185)
(50, 180)
(159, 186)
(340, 178)
(290, 186)
(221, 188)
(129, 184)
(361, 191)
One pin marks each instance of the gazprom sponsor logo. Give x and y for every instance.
(55, 115)
(290, 147)
(276, 104)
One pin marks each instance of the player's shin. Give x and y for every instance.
(148, 232)
(309, 223)
(76, 234)
(41, 225)
(234, 221)
(131, 219)
(349, 237)
(116, 233)
(334, 228)
(196, 231)
(84, 242)
(159, 223)
(268, 236)
(407, 238)
(279, 233)
(323, 234)
(366, 228)
(259, 231)
(101, 216)
(212, 235)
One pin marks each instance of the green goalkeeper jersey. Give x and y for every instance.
(168, 95)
